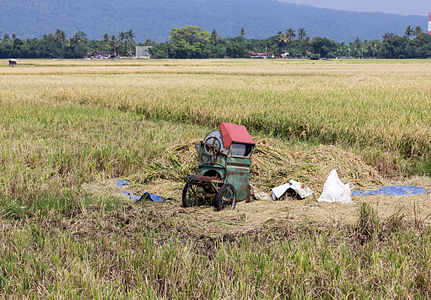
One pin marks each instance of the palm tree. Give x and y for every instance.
(301, 34)
(75, 40)
(418, 31)
(373, 47)
(131, 34)
(60, 36)
(281, 39)
(214, 36)
(358, 46)
(409, 31)
(79, 37)
(113, 44)
(106, 38)
(388, 36)
(130, 38)
(242, 32)
(122, 36)
(290, 33)
(122, 39)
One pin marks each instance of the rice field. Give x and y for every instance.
(69, 129)
(381, 110)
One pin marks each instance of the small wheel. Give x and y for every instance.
(212, 146)
(189, 197)
(226, 197)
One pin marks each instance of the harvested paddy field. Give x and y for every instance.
(70, 129)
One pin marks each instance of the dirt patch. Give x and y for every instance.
(273, 164)
(206, 222)
(414, 207)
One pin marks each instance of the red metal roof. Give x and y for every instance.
(234, 133)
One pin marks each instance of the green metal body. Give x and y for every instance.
(234, 170)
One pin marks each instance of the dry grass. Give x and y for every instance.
(381, 110)
(68, 129)
(274, 163)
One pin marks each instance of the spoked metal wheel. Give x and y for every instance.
(189, 197)
(226, 197)
(212, 146)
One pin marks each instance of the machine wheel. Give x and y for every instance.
(189, 199)
(212, 146)
(226, 197)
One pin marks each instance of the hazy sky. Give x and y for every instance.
(404, 7)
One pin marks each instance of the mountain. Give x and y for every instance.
(155, 19)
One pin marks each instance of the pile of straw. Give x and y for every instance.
(274, 164)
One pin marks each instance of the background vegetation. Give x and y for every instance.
(194, 42)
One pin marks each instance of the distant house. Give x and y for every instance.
(100, 55)
(285, 54)
(263, 55)
(143, 52)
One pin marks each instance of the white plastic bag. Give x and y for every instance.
(279, 191)
(335, 191)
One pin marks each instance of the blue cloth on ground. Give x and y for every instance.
(120, 183)
(136, 198)
(395, 190)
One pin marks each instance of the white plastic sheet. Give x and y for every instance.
(335, 190)
(302, 191)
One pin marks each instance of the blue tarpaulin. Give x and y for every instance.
(136, 198)
(395, 190)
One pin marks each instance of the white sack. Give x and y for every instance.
(279, 191)
(335, 191)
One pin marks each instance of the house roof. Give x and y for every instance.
(259, 53)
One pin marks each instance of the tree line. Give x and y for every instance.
(57, 45)
(194, 42)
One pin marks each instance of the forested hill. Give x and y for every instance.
(154, 19)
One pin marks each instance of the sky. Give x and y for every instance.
(403, 7)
